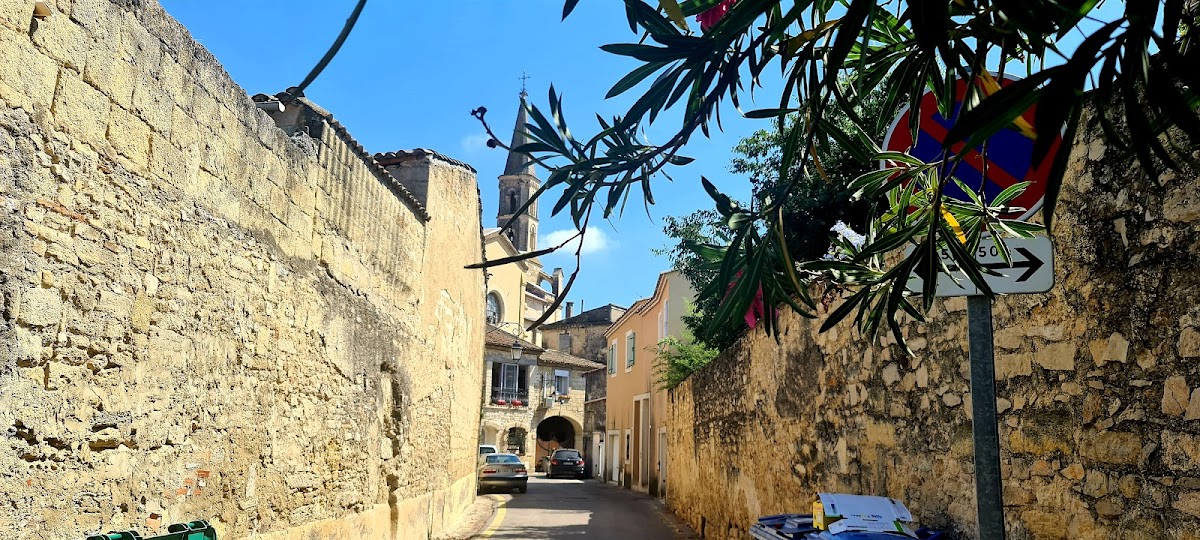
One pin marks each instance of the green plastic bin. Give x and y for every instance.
(194, 530)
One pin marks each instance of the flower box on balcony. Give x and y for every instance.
(501, 402)
(517, 403)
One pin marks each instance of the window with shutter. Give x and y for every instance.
(562, 382)
(631, 342)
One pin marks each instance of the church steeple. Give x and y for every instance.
(517, 185)
(519, 163)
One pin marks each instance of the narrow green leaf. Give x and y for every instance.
(568, 7)
(633, 78)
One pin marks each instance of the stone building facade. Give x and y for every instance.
(1097, 383)
(210, 313)
(532, 405)
(582, 334)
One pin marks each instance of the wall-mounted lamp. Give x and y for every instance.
(517, 350)
(41, 10)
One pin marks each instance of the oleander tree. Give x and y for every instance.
(819, 205)
(823, 58)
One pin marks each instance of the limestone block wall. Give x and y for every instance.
(1098, 390)
(204, 317)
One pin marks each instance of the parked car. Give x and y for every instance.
(502, 471)
(487, 449)
(566, 462)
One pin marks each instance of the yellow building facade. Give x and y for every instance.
(634, 448)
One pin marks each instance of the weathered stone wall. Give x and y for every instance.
(594, 407)
(586, 341)
(1098, 390)
(206, 318)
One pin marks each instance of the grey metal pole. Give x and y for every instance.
(989, 502)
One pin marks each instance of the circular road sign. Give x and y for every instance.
(1009, 152)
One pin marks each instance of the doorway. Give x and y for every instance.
(614, 452)
(597, 455)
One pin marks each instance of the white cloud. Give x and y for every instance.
(474, 143)
(594, 241)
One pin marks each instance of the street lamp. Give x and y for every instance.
(516, 350)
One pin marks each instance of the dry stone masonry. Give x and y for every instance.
(1098, 390)
(205, 316)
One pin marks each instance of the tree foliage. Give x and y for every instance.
(679, 359)
(819, 203)
(833, 53)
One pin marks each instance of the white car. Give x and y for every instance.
(487, 449)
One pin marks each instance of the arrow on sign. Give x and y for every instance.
(1031, 262)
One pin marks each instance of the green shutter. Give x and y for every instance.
(632, 349)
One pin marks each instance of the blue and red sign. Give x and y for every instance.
(1009, 152)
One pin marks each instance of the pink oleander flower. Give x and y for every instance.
(714, 15)
(758, 307)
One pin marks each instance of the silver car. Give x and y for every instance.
(502, 471)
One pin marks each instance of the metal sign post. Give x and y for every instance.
(989, 498)
(1031, 271)
(1030, 268)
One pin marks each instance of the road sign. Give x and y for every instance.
(1010, 151)
(1032, 269)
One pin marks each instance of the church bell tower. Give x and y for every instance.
(517, 185)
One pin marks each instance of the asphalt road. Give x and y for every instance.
(562, 508)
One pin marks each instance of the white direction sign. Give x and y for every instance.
(1032, 269)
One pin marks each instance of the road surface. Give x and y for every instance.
(572, 508)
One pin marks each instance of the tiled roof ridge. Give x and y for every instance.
(568, 359)
(528, 346)
(401, 154)
(380, 172)
(578, 318)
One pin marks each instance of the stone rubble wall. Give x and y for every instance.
(202, 317)
(1098, 390)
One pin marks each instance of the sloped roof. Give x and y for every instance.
(559, 358)
(499, 339)
(399, 156)
(602, 314)
(637, 307)
(368, 160)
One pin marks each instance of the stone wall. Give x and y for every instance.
(1098, 390)
(594, 408)
(585, 341)
(204, 317)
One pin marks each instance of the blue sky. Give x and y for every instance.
(412, 71)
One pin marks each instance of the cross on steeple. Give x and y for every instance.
(524, 77)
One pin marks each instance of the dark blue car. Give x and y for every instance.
(565, 463)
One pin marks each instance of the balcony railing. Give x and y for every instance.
(507, 397)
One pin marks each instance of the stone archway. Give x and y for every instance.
(557, 429)
(556, 432)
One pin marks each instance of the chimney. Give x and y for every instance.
(570, 309)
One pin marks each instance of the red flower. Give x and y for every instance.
(714, 15)
(758, 307)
